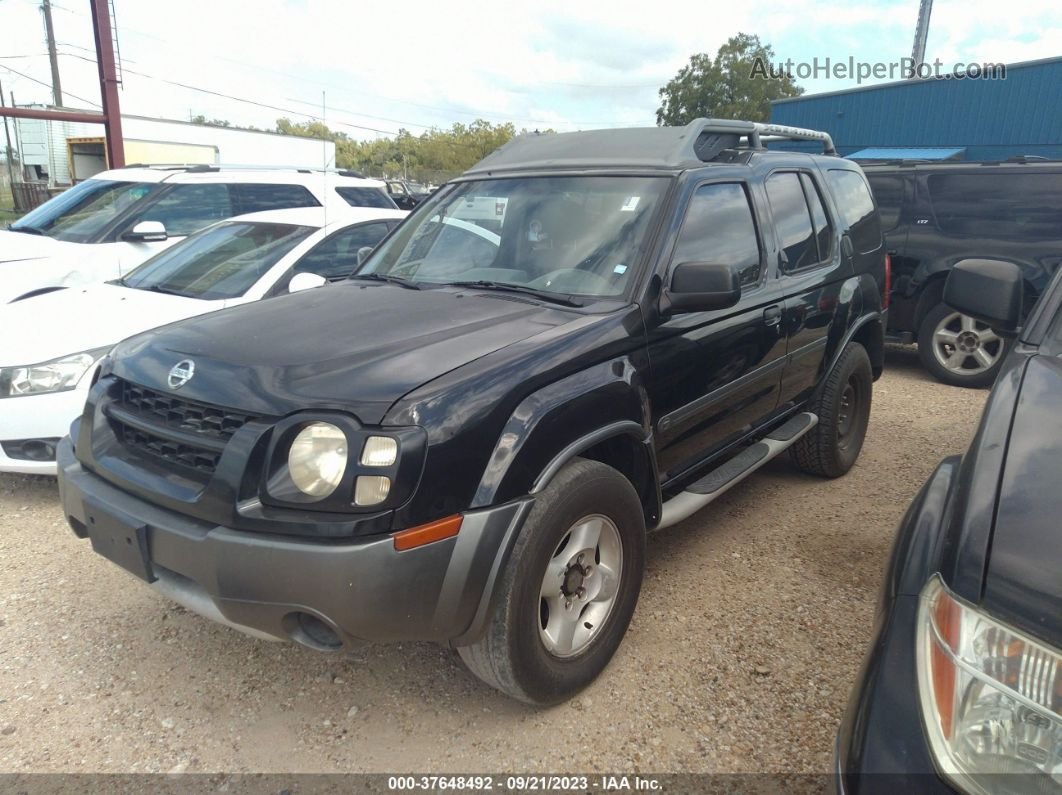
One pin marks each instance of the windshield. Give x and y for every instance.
(220, 262)
(568, 235)
(80, 214)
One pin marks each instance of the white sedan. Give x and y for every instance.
(51, 344)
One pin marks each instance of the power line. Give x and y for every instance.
(47, 85)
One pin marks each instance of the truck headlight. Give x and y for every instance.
(317, 459)
(991, 698)
(57, 375)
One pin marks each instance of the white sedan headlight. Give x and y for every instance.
(991, 698)
(58, 375)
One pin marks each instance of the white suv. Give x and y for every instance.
(103, 227)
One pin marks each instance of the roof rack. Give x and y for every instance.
(202, 167)
(730, 133)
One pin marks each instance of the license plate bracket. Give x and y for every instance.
(119, 538)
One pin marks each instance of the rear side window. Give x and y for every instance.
(719, 228)
(187, 208)
(337, 256)
(888, 193)
(819, 219)
(998, 205)
(253, 198)
(366, 197)
(853, 199)
(792, 220)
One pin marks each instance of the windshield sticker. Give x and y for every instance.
(620, 269)
(631, 204)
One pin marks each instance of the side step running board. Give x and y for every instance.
(718, 481)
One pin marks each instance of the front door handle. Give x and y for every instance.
(772, 315)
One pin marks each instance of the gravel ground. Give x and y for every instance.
(751, 627)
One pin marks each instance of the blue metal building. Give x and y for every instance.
(983, 119)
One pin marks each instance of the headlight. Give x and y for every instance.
(991, 698)
(58, 375)
(317, 459)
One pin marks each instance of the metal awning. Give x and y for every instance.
(909, 153)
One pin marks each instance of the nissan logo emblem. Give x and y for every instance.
(181, 373)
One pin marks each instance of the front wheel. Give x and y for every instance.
(959, 350)
(843, 408)
(569, 590)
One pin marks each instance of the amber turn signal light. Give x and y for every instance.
(427, 533)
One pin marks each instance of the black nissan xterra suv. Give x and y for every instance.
(586, 336)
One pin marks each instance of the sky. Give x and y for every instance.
(371, 68)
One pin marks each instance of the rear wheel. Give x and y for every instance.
(569, 590)
(959, 350)
(843, 408)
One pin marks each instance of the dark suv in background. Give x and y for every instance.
(468, 440)
(937, 214)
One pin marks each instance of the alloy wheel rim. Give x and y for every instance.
(580, 586)
(965, 346)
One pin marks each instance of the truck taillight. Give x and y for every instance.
(888, 282)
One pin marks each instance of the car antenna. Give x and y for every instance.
(324, 158)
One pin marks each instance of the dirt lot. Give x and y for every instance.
(750, 629)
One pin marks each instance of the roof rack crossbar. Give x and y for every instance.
(755, 134)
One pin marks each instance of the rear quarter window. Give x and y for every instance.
(1007, 205)
(366, 197)
(856, 204)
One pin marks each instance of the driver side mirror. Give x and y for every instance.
(147, 232)
(989, 290)
(363, 254)
(305, 281)
(700, 287)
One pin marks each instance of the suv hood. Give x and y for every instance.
(1022, 581)
(33, 262)
(352, 346)
(16, 246)
(79, 319)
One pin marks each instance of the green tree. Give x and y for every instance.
(735, 84)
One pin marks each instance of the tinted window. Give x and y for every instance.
(337, 256)
(792, 220)
(853, 199)
(888, 193)
(257, 198)
(366, 197)
(80, 214)
(819, 219)
(184, 209)
(221, 262)
(1004, 205)
(719, 228)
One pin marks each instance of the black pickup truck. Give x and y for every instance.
(585, 337)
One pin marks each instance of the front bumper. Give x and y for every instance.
(46, 416)
(320, 593)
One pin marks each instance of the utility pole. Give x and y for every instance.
(7, 135)
(918, 51)
(57, 89)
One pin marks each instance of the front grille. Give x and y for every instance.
(182, 432)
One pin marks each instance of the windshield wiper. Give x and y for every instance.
(154, 288)
(383, 277)
(27, 230)
(545, 295)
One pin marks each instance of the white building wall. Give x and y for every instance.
(43, 143)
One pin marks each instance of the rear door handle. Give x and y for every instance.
(772, 315)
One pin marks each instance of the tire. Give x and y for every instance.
(843, 408)
(958, 350)
(513, 655)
